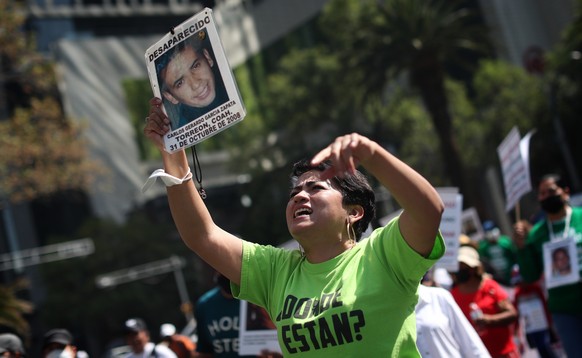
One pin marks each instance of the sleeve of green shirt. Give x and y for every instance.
(530, 257)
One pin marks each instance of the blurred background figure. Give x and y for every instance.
(442, 329)
(465, 240)
(58, 343)
(11, 346)
(534, 318)
(562, 223)
(137, 337)
(218, 316)
(181, 345)
(498, 254)
(438, 276)
(218, 305)
(485, 304)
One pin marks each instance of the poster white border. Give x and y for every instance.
(215, 120)
(450, 227)
(553, 280)
(253, 341)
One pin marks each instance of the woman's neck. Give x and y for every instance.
(559, 215)
(470, 286)
(319, 254)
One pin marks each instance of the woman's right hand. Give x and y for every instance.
(157, 124)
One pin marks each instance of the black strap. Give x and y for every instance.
(198, 172)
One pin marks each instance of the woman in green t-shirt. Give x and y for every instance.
(336, 298)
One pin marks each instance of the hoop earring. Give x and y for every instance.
(351, 233)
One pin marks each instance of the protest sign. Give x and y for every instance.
(256, 332)
(471, 224)
(189, 71)
(450, 227)
(515, 171)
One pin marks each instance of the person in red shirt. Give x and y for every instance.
(530, 301)
(486, 304)
(183, 346)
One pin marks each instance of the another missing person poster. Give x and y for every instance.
(257, 333)
(561, 262)
(189, 71)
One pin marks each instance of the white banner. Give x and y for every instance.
(515, 171)
(450, 227)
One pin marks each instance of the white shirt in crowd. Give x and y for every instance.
(442, 328)
(148, 352)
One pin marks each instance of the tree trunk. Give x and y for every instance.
(429, 80)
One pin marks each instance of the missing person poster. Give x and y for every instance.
(257, 333)
(561, 262)
(189, 71)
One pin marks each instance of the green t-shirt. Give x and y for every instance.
(562, 299)
(360, 303)
(499, 258)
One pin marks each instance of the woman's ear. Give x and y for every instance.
(355, 213)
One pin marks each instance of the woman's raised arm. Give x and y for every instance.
(220, 249)
(422, 205)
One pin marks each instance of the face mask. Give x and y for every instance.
(60, 353)
(552, 204)
(463, 276)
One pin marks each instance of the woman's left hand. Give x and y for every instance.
(345, 153)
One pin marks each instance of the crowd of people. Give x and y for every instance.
(341, 294)
(491, 300)
(56, 343)
(519, 291)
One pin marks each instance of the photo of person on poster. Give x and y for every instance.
(561, 262)
(190, 80)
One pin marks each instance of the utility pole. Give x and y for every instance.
(154, 268)
(16, 260)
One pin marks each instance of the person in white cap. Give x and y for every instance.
(178, 343)
(11, 346)
(137, 337)
(58, 343)
(486, 304)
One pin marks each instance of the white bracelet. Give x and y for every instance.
(169, 180)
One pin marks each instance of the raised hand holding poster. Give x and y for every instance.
(189, 71)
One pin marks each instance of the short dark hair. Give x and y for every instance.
(355, 190)
(197, 41)
(557, 178)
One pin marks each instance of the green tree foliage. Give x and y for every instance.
(356, 81)
(138, 92)
(42, 151)
(506, 96)
(378, 40)
(306, 106)
(13, 309)
(303, 100)
(564, 76)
